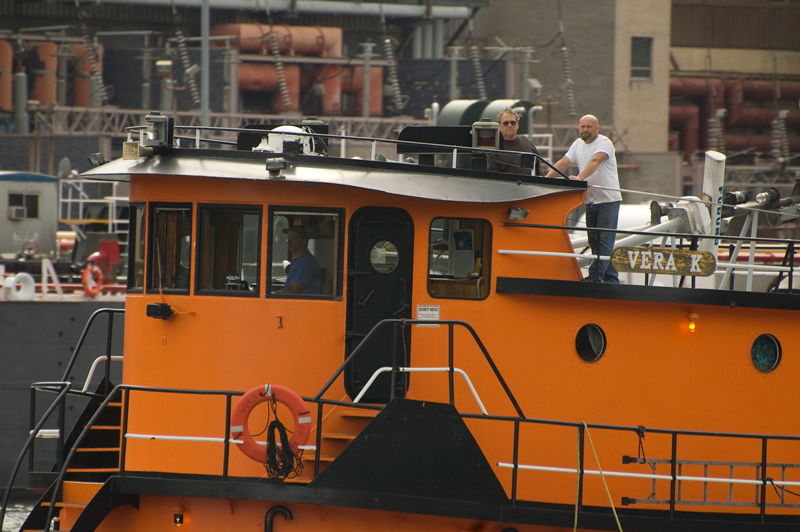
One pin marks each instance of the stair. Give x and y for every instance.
(95, 460)
(345, 425)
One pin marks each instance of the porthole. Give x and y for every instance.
(384, 256)
(766, 353)
(590, 342)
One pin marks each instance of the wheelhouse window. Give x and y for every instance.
(228, 249)
(305, 252)
(23, 206)
(170, 248)
(136, 249)
(458, 258)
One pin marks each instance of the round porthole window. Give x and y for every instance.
(384, 256)
(766, 353)
(590, 342)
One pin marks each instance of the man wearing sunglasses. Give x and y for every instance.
(513, 162)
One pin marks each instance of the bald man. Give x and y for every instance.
(595, 157)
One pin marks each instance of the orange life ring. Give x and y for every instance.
(257, 395)
(92, 280)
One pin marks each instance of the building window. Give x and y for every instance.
(170, 256)
(305, 253)
(136, 248)
(642, 57)
(23, 206)
(228, 242)
(458, 259)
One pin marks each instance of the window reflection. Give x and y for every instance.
(305, 253)
(458, 258)
(170, 249)
(229, 249)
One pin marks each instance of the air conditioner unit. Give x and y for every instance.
(17, 212)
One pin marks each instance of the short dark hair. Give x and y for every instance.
(299, 230)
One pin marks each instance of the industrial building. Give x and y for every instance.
(667, 80)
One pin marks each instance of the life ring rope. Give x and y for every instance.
(280, 459)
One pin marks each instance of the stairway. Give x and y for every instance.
(96, 458)
(344, 424)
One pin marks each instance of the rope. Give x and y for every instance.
(281, 460)
(608, 492)
(641, 458)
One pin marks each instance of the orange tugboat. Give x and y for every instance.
(329, 344)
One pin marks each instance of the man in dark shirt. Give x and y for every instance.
(512, 162)
(303, 273)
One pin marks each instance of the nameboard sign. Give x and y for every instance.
(664, 261)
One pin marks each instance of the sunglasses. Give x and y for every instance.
(510, 123)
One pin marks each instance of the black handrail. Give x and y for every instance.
(125, 390)
(65, 388)
(402, 322)
(517, 421)
(82, 339)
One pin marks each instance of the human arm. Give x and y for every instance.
(561, 166)
(295, 287)
(592, 165)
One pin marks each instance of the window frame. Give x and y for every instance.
(340, 214)
(485, 256)
(26, 197)
(641, 71)
(198, 262)
(153, 207)
(133, 236)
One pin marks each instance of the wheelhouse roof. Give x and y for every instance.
(404, 179)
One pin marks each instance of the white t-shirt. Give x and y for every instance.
(606, 174)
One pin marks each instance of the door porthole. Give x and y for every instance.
(384, 257)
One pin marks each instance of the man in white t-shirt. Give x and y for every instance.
(596, 160)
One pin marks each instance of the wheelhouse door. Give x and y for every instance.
(380, 261)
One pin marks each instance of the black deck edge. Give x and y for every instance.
(520, 513)
(655, 294)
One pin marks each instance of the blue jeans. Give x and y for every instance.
(602, 215)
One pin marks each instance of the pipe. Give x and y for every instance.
(43, 65)
(353, 83)
(6, 75)
(314, 41)
(419, 11)
(686, 116)
(264, 77)
(82, 73)
(21, 119)
(762, 143)
(711, 93)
